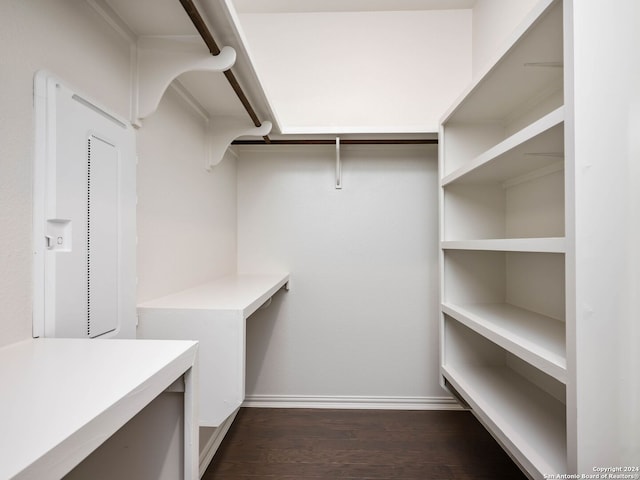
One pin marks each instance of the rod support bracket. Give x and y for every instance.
(223, 131)
(160, 60)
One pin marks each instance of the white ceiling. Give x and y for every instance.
(309, 6)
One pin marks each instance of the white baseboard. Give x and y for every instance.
(209, 449)
(352, 402)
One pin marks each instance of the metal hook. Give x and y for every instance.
(338, 166)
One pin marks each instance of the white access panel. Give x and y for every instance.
(84, 217)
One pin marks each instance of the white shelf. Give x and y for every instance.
(537, 339)
(535, 147)
(512, 81)
(528, 421)
(241, 293)
(534, 245)
(62, 398)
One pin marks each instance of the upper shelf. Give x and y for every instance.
(536, 146)
(529, 70)
(208, 92)
(242, 293)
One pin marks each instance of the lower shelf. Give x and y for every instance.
(537, 339)
(210, 440)
(527, 421)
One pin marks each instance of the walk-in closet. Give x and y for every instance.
(422, 213)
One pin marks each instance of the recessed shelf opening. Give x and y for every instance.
(526, 206)
(531, 281)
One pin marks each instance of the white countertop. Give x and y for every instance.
(61, 398)
(238, 292)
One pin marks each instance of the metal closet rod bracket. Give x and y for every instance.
(338, 166)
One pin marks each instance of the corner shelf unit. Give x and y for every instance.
(503, 246)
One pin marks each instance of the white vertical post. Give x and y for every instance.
(191, 423)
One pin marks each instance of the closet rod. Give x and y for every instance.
(423, 141)
(206, 35)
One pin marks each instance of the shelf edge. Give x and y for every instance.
(532, 245)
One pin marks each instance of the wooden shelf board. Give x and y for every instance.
(508, 84)
(530, 423)
(241, 292)
(536, 245)
(537, 339)
(520, 154)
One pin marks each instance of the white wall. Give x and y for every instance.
(186, 215)
(361, 317)
(361, 71)
(493, 22)
(66, 38)
(607, 228)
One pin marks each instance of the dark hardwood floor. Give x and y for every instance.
(306, 444)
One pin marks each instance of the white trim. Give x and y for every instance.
(541, 172)
(189, 99)
(352, 402)
(113, 20)
(243, 47)
(214, 442)
(354, 129)
(44, 148)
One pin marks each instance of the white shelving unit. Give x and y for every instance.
(215, 314)
(504, 246)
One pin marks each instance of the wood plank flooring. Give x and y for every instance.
(310, 444)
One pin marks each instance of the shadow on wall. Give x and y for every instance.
(260, 327)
